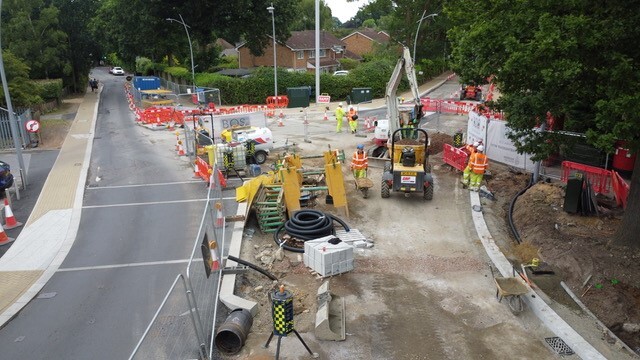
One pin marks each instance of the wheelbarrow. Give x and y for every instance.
(363, 184)
(510, 288)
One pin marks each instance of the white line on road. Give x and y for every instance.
(140, 185)
(116, 266)
(153, 203)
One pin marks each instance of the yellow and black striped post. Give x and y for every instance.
(457, 139)
(282, 314)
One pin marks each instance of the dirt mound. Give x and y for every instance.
(603, 276)
(438, 140)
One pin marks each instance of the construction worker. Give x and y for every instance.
(339, 117)
(359, 162)
(352, 116)
(471, 148)
(478, 167)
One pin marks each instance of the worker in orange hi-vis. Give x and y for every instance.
(353, 119)
(478, 167)
(471, 150)
(359, 162)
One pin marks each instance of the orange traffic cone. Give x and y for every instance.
(215, 263)
(281, 114)
(219, 217)
(181, 149)
(280, 122)
(177, 141)
(4, 239)
(10, 220)
(325, 116)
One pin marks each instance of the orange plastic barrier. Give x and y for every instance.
(277, 102)
(620, 189)
(599, 178)
(158, 115)
(202, 169)
(455, 157)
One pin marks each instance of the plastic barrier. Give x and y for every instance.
(277, 102)
(455, 157)
(599, 178)
(202, 169)
(620, 189)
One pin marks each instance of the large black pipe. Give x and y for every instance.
(307, 225)
(253, 266)
(512, 226)
(232, 334)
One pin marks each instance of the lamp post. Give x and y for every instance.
(271, 10)
(415, 41)
(186, 29)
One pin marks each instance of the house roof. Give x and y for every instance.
(377, 36)
(234, 72)
(352, 55)
(323, 63)
(224, 44)
(306, 40)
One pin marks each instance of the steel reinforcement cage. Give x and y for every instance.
(183, 327)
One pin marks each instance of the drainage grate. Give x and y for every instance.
(559, 346)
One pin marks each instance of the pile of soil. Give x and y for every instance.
(438, 140)
(603, 276)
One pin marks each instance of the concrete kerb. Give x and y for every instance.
(548, 317)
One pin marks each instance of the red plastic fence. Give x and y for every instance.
(620, 189)
(455, 157)
(457, 107)
(202, 169)
(599, 178)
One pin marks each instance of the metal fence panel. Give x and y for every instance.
(6, 138)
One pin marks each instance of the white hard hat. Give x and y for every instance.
(480, 148)
(340, 104)
(475, 144)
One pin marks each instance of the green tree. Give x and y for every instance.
(577, 60)
(34, 35)
(21, 89)
(306, 16)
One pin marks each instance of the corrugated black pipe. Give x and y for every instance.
(307, 225)
(254, 267)
(512, 226)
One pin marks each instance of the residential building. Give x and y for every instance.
(298, 53)
(365, 40)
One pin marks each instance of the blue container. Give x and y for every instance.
(146, 82)
(254, 170)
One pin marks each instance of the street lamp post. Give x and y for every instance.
(415, 41)
(186, 29)
(271, 10)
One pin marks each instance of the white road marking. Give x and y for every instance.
(116, 266)
(140, 185)
(153, 203)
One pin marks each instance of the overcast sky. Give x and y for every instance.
(344, 10)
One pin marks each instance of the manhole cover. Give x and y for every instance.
(559, 346)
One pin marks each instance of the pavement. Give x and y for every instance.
(53, 221)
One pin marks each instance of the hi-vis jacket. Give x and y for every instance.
(359, 161)
(478, 163)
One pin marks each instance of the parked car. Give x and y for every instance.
(117, 71)
(6, 177)
(110, 69)
(341, 73)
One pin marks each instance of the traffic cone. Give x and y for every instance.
(4, 239)
(181, 149)
(281, 114)
(280, 122)
(219, 217)
(177, 141)
(325, 116)
(215, 263)
(10, 220)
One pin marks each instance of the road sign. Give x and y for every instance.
(32, 126)
(324, 99)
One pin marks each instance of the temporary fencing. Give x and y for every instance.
(603, 181)
(455, 157)
(184, 324)
(457, 107)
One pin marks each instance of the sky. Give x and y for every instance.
(344, 10)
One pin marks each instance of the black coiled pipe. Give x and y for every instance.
(512, 226)
(307, 225)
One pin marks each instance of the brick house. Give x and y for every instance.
(298, 53)
(365, 40)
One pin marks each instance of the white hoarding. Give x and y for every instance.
(476, 128)
(221, 122)
(501, 149)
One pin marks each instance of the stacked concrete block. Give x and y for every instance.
(326, 258)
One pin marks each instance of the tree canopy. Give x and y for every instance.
(576, 60)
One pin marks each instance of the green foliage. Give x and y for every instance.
(306, 16)
(228, 62)
(348, 64)
(369, 23)
(21, 89)
(144, 66)
(49, 89)
(178, 72)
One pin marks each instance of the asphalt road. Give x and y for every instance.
(141, 213)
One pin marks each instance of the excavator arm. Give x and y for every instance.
(393, 112)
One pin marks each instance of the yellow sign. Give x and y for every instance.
(408, 173)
